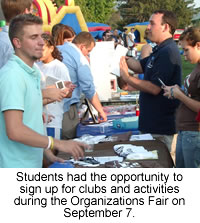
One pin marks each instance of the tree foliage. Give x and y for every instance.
(94, 10)
(130, 11)
(140, 10)
(59, 2)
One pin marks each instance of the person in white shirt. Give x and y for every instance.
(131, 38)
(54, 70)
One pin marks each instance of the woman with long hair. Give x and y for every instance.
(188, 141)
(62, 33)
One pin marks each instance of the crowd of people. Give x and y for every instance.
(33, 63)
(128, 40)
(125, 38)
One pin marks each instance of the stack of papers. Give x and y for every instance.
(90, 139)
(104, 159)
(96, 161)
(119, 52)
(141, 137)
(131, 152)
(129, 97)
(143, 155)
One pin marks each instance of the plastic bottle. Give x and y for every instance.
(137, 111)
(137, 108)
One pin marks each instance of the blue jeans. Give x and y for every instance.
(188, 149)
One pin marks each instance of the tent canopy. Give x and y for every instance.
(93, 26)
(97, 29)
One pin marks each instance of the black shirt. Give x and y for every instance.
(157, 113)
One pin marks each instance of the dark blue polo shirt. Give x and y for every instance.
(157, 113)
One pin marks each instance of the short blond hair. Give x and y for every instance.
(84, 38)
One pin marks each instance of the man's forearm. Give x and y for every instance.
(143, 85)
(192, 104)
(47, 101)
(96, 103)
(27, 136)
(134, 65)
(17, 131)
(45, 93)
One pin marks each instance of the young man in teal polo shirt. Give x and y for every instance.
(22, 142)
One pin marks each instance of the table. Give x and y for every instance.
(108, 130)
(106, 149)
(117, 102)
(123, 99)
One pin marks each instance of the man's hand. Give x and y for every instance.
(72, 147)
(69, 89)
(53, 94)
(70, 85)
(124, 69)
(172, 92)
(102, 117)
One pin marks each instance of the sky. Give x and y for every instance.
(197, 3)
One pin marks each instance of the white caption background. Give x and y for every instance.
(66, 200)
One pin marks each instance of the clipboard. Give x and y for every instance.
(89, 109)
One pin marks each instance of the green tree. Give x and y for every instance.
(140, 10)
(94, 10)
(59, 2)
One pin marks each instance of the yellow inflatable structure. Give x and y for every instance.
(141, 29)
(68, 14)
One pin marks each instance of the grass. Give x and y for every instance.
(187, 67)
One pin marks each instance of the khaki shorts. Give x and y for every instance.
(166, 139)
(70, 123)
